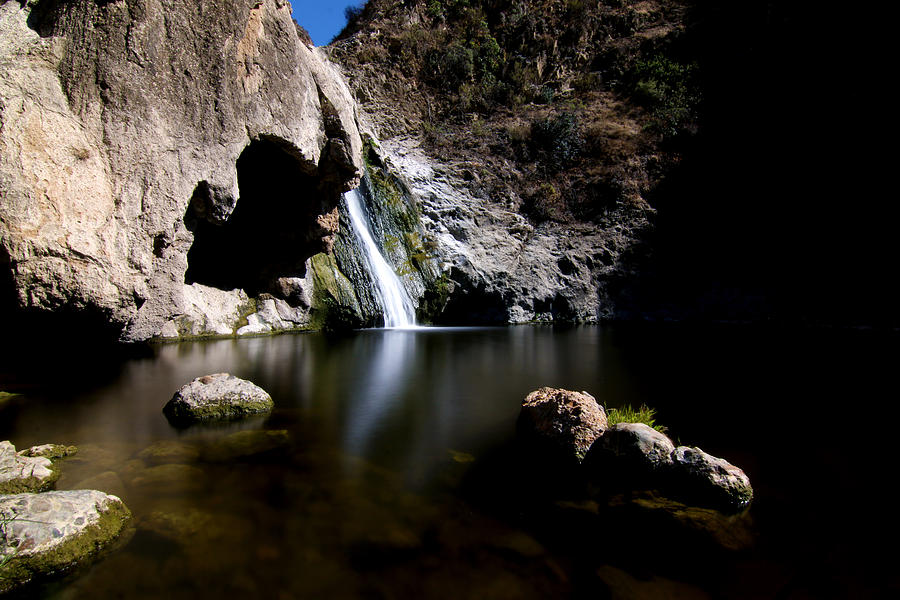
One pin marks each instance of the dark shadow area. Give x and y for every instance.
(777, 211)
(76, 337)
(272, 229)
(471, 303)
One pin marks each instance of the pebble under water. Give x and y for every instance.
(389, 467)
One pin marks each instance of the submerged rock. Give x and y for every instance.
(244, 444)
(44, 534)
(169, 479)
(168, 452)
(179, 526)
(23, 473)
(107, 481)
(569, 421)
(702, 478)
(217, 397)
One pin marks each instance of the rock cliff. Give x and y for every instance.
(164, 164)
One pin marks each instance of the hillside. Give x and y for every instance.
(574, 108)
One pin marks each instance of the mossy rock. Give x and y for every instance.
(107, 481)
(170, 479)
(48, 534)
(179, 526)
(51, 451)
(169, 452)
(217, 397)
(21, 473)
(335, 305)
(247, 444)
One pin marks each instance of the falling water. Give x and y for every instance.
(398, 308)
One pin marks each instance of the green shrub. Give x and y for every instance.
(451, 67)
(557, 135)
(670, 90)
(435, 9)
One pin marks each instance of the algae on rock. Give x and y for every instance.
(49, 533)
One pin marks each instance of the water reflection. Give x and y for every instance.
(386, 360)
(389, 478)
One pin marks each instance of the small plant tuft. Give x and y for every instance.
(626, 414)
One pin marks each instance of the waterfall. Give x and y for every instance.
(398, 308)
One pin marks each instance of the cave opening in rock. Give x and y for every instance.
(271, 231)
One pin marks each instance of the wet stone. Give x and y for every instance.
(246, 444)
(48, 533)
(170, 479)
(168, 452)
(50, 451)
(19, 474)
(107, 481)
(216, 397)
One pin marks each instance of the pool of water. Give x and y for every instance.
(390, 468)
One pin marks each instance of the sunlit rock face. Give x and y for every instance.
(147, 150)
(496, 266)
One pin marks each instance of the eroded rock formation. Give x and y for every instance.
(162, 165)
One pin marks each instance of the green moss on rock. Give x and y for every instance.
(335, 306)
(219, 396)
(30, 484)
(21, 568)
(51, 451)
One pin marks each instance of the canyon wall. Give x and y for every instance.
(164, 165)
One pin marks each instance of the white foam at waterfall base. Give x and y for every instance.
(398, 308)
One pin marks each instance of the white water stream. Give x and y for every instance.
(398, 308)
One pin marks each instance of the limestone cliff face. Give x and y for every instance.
(123, 129)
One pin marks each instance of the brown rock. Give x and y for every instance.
(569, 421)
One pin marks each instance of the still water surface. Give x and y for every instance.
(399, 476)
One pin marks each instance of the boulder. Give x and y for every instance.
(635, 446)
(704, 479)
(43, 534)
(565, 420)
(20, 473)
(220, 396)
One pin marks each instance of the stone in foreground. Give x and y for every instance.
(709, 480)
(635, 446)
(20, 473)
(217, 397)
(569, 421)
(44, 534)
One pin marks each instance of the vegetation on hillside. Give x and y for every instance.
(575, 107)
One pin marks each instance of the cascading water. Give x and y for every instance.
(398, 308)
